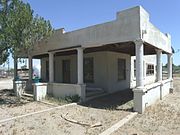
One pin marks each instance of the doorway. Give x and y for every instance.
(66, 71)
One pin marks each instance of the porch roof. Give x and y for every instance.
(125, 47)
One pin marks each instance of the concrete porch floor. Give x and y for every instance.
(121, 100)
(92, 93)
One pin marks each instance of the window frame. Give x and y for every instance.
(150, 69)
(90, 70)
(121, 69)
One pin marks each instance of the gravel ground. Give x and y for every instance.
(163, 118)
(11, 106)
(107, 110)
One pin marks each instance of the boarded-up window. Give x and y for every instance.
(150, 69)
(88, 70)
(121, 69)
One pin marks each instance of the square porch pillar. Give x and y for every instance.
(51, 67)
(159, 65)
(169, 66)
(80, 65)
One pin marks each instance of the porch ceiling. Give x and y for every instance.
(125, 47)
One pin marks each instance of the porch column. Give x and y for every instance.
(15, 68)
(138, 91)
(80, 65)
(30, 68)
(169, 66)
(139, 62)
(51, 67)
(159, 65)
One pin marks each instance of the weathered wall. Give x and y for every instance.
(125, 28)
(153, 35)
(150, 94)
(60, 90)
(105, 70)
(113, 83)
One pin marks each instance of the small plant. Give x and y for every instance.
(59, 101)
(71, 99)
(65, 100)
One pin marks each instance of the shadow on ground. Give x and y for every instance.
(122, 100)
(8, 97)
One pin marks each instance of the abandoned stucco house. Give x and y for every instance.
(117, 55)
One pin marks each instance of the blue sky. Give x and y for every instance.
(75, 14)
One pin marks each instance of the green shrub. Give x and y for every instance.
(71, 99)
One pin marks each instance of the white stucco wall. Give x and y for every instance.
(127, 26)
(150, 94)
(113, 83)
(60, 90)
(124, 28)
(105, 70)
(153, 35)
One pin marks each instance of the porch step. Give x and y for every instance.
(96, 96)
(94, 92)
(93, 89)
(28, 97)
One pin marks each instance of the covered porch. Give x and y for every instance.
(81, 82)
(144, 94)
(115, 42)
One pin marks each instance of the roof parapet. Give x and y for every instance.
(133, 10)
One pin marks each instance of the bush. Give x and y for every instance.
(71, 99)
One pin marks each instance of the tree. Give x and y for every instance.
(3, 29)
(20, 29)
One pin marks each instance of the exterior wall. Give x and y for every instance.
(126, 27)
(105, 70)
(165, 89)
(150, 94)
(100, 70)
(129, 25)
(60, 90)
(113, 83)
(58, 68)
(152, 35)
(148, 79)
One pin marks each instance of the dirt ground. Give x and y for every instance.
(163, 118)
(107, 110)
